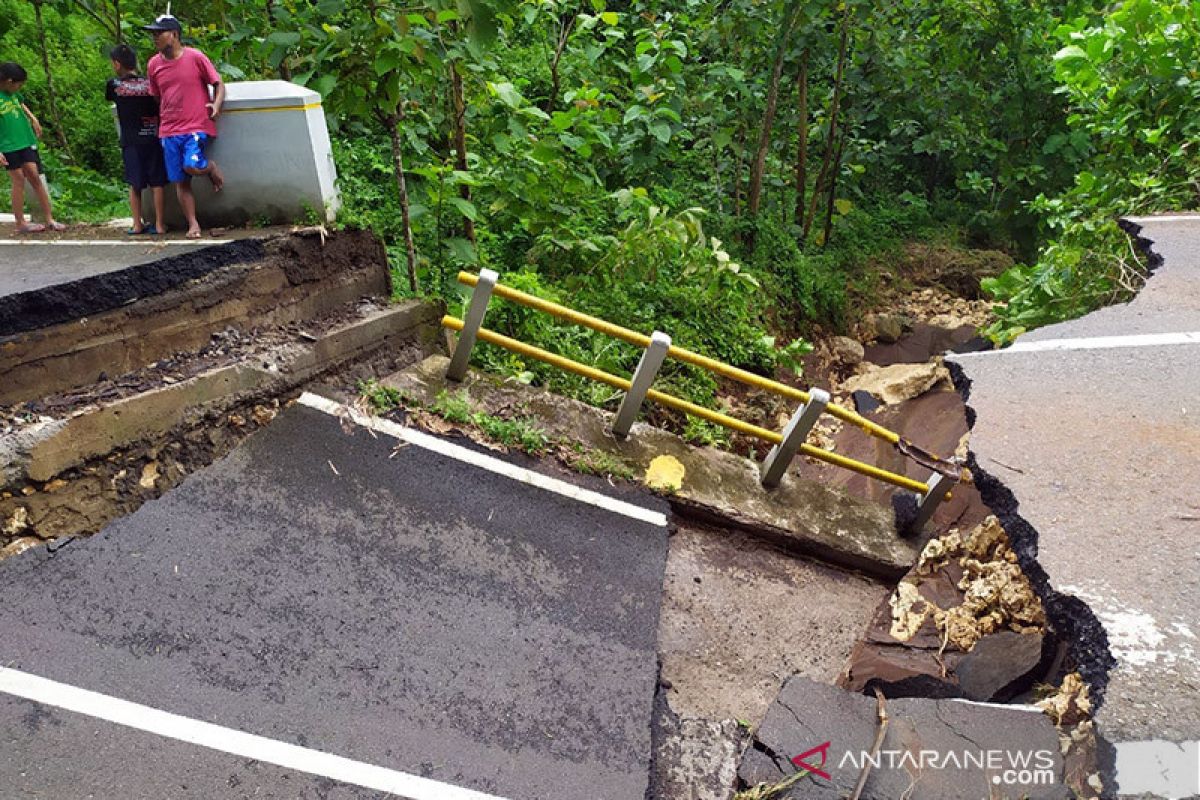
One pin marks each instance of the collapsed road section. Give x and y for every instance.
(1085, 435)
(342, 593)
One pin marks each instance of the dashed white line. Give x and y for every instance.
(228, 740)
(1093, 343)
(482, 461)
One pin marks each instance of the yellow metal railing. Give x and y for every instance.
(945, 473)
(680, 354)
(670, 401)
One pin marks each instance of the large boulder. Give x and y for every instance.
(900, 382)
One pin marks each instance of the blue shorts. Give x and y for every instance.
(184, 150)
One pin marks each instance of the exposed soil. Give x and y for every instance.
(81, 501)
(226, 347)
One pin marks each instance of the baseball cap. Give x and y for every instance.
(163, 22)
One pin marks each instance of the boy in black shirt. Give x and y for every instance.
(137, 112)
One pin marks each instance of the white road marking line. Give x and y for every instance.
(109, 242)
(489, 463)
(1165, 218)
(228, 740)
(1093, 343)
(1158, 768)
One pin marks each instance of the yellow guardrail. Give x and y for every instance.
(670, 401)
(945, 472)
(681, 354)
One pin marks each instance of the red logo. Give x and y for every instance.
(800, 763)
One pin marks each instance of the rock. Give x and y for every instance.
(996, 663)
(954, 749)
(864, 402)
(263, 415)
(886, 328)
(17, 521)
(54, 485)
(149, 475)
(901, 382)
(18, 546)
(846, 350)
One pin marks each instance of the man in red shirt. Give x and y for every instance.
(180, 78)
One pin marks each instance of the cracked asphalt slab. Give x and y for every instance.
(323, 588)
(1099, 448)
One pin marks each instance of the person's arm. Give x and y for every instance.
(37, 126)
(110, 91)
(210, 76)
(214, 108)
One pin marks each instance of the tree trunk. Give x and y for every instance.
(564, 33)
(120, 37)
(460, 143)
(393, 126)
(758, 166)
(831, 139)
(802, 146)
(833, 176)
(58, 126)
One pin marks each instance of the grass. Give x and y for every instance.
(382, 399)
(520, 433)
(597, 462)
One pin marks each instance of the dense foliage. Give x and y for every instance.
(717, 170)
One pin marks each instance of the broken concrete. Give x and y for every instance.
(800, 516)
(932, 748)
(46, 449)
(899, 382)
(70, 335)
(963, 623)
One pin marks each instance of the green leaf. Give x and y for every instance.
(283, 39)
(843, 206)
(508, 94)
(609, 17)
(462, 249)
(465, 207)
(660, 131)
(1070, 53)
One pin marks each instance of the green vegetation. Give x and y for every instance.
(733, 173)
(380, 398)
(520, 433)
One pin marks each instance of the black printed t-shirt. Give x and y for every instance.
(137, 109)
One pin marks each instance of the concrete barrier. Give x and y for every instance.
(273, 147)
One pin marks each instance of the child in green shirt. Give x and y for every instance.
(19, 132)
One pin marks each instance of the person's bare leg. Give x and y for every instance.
(17, 177)
(39, 191)
(135, 208)
(187, 201)
(215, 175)
(160, 209)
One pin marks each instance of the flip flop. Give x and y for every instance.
(31, 227)
(57, 226)
(148, 229)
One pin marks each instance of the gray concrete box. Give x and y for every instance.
(273, 147)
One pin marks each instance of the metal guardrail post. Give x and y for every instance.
(777, 461)
(939, 486)
(473, 320)
(643, 376)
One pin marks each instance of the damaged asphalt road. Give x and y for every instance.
(322, 588)
(1087, 448)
